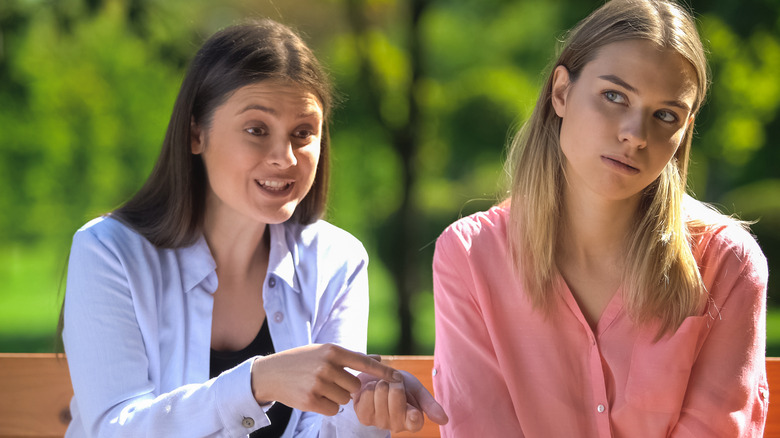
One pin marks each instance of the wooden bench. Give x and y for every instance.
(35, 392)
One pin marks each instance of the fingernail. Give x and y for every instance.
(397, 376)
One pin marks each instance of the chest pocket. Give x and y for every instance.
(659, 371)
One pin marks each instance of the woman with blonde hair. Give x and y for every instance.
(600, 299)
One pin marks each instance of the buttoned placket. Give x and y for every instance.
(600, 408)
(600, 400)
(272, 304)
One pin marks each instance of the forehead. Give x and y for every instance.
(653, 71)
(277, 97)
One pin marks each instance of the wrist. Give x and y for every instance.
(259, 390)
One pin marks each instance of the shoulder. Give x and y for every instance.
(485, 228)
(724, 243)
(110, 241)
(111, 234)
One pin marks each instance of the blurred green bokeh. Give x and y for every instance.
(432, 91)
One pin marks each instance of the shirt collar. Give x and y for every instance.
(281, 257)
(197, 265)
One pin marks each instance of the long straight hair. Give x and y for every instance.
(661, 279)
(168, 209)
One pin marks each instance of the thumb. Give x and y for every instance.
(425, 400)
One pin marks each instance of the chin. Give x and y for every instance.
(278, 217)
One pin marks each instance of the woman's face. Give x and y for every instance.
(261, 151)
(623, 118)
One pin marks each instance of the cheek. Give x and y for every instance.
(313, 153)
(309, 157)
(668, 146)
(571, 138)
(587, 118)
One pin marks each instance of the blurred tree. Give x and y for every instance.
(474, 68)
(432, 91)
(394, 106)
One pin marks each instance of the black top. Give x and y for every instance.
(262, 345)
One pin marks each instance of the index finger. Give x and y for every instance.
(365, 364)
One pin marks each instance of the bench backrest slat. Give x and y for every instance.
(421, 367)
(772, 428)
(35, 392)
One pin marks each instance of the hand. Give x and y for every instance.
(396, 406)
(313, 377)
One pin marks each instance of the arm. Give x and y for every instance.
(727, 394)
(115, 392)
(467, 379)
(380, 402)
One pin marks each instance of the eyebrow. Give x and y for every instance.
(273, 112)
(254, 106)
(617, 81)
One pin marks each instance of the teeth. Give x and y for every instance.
(274, 185)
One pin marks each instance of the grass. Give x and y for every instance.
(29, 297)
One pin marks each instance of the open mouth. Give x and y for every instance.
(275, 186)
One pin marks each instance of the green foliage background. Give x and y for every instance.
(432, 90)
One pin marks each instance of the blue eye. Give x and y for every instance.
(666, 116)
(614, 96)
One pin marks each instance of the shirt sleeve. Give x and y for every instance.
(115, 394)
(346, 325)
(467, 381)
(727, 393)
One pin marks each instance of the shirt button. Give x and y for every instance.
(272, 282)
(278, 316)
(600, 408)
(434, 372)
(248, 422)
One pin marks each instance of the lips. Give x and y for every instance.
(619, 165)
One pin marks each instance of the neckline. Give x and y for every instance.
(252, 346)
(608, 315)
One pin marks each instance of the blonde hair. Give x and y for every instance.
(661, 278)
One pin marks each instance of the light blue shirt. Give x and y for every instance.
(138, 331)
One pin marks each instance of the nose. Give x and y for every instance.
(281, 155)
(633, 129)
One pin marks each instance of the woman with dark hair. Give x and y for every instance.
(215, 302)
(600, 300)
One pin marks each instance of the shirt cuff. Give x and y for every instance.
(345, 424)
(240, 412)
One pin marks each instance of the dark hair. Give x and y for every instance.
(168, 210)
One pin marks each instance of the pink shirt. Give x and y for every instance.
(504, 370)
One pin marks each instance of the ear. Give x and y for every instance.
(560, 89)
(197, 139)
